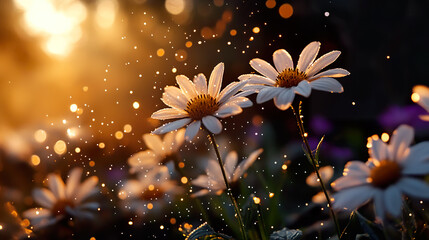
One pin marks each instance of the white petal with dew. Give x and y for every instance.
(282, 60)
(348, 182)
(228, 110)
(379, 150)
(192, 130)
(212, 124)
(228, 92)
(416, 169)
(322, 62)
(215, 81)
(200, 82)
(171, 126)
(187, 86)
(169, 113)
(327, 84)
(264, 68)
(256, 79)
(174, 97)
(307, 56)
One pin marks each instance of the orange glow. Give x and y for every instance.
(256, 30)
(270, 3)
(188, 44)
(286, 10)
(415, 97)
(160, 52)
(233, 32)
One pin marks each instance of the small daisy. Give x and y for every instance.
(391, 171)
(421, 96)
(196, 102)
(282, 82)
(213, 181)
(150, 191)
(160, 150)
(63, 200)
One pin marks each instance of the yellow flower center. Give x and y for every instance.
(152, 193)
(59, 207)
(201, 106)
(385, 174)
(290, 78)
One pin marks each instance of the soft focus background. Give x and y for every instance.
(79, 80)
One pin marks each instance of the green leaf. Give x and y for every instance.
(286, 234)
(316, 155)
(204, 231)
(249, 212)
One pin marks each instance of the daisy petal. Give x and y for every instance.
(201, 181)
(192, 130)
(187, 86)
(414, 187)
(303, 88)
(212, 124)
(336, 72)
(215, 81)
(57, 186)
(353, 198)
(171, 126)
(267, 93)
(322, 62)
(327, 84)
(228, 110)
(264, 68)
(90, 206)
(200, 193)
(400, 141)
(230, 163)
(154, 142)
(44, 197)
(356, 169)
(348, 182)
(379, 205)
(252, 88)
(245, 164)
(282, 60)
(393, 200)
(419, 153)
(256, 79)
(230, 90)
(240, 101)
(416, 169)
(86, 188)
(200, 82)
(284, 99)
(36, 213)
(379, 150)
(73, 182)
(173, 97)
(179, 138)
(169, 113)
(307, 56)
(424, 117)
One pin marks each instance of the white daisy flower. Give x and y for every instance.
(196, 102)
(283, 81)
(160, 150)
(150, 191)
(63, 200)
(389, 173)
(213, 182)
(421, 96)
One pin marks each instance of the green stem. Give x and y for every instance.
(314, 163)
(228, 188)
(188, 184)
(261, 223)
